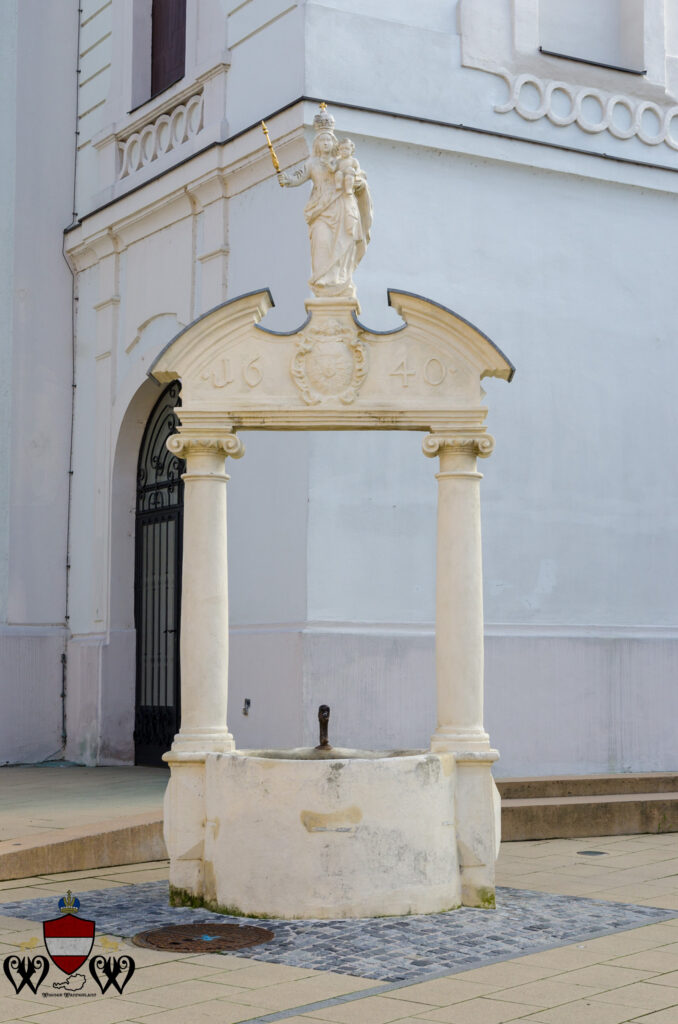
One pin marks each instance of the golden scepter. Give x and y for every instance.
(274, 158)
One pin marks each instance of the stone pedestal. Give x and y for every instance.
(184, 821)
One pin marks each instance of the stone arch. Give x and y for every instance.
(136, 394)
(118, 655)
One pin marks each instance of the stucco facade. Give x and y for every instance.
(533, 195)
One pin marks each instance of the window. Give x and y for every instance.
(168, 43)
(605, 32)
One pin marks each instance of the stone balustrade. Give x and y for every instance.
(165, 133)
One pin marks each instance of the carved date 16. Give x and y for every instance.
(219, 373)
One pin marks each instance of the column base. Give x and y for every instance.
(184, 821)
(201, 741)
(478, 826)
(447, 739)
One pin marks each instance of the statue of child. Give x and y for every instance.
(347, 167)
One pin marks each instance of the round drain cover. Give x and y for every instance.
(203, 937)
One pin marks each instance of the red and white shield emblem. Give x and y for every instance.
(69, 941)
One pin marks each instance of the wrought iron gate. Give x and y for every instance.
(157, 583)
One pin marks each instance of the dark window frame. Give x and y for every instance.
(168, 44)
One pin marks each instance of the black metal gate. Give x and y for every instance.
(157, 583)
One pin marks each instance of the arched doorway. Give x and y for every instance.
(157, 583)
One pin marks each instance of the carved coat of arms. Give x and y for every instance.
(330, 363)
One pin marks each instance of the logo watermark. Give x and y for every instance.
(69, 941)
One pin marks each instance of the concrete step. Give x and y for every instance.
(58, 817)
(129, 840)
(588, 785)
(588, 806)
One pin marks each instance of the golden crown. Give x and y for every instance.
(68, 904)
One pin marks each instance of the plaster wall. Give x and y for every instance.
(559, 704)
(94, 82)
(41, 380)
(266, 43)
(8, 114)
(39, 84)
(30, 728)
(605, 31)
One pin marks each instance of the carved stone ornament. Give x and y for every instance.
(481, 446)
(183, 446)
(330, 362)
(158, 137)
(622, 116)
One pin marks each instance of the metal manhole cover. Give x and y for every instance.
(203, 937)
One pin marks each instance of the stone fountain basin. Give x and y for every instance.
(309, 833)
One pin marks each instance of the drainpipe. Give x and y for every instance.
(74, 306)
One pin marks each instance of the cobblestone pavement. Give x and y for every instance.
(381, 949)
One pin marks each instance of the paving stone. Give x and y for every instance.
(382, 949)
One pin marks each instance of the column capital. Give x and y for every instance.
(226, 444)
(480, 444)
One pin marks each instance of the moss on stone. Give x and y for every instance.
(184, 898)
(486, 898)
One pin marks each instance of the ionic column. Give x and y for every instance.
(204, 593)
(459, 592)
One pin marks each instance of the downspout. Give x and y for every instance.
(74, 307)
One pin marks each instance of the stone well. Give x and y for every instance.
(349, 833)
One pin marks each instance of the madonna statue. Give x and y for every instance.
(338, 213)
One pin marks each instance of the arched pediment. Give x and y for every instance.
(333, 372)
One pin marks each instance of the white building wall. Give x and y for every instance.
(94, 84)
(561, 256)
(39, 87)
(8, 115)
